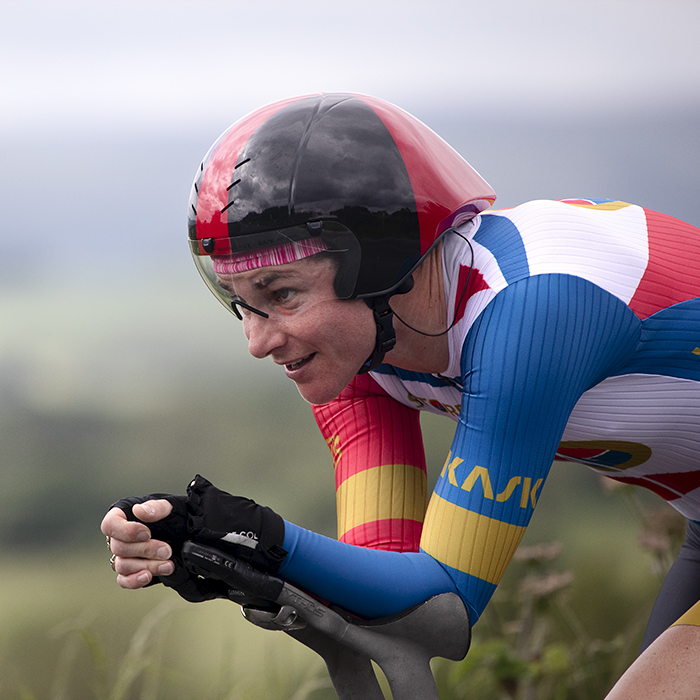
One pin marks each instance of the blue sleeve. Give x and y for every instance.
(526, 361)
(534, 350)
(368, 582)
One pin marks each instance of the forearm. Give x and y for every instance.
(380, 471)
(668, 668)
(368, 582)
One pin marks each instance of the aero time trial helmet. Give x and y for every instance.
(336, 172)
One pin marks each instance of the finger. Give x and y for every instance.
(135, 580)
(117, 527)
(154, 510)
(136, 568)
(151, 550)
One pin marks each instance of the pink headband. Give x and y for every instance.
(277, 255)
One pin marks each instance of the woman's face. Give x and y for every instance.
(320, 340)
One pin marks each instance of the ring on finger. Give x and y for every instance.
(109, 542)
(111, 562)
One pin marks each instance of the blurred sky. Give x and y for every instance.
(107, 107)
(117, 64)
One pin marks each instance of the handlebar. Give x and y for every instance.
(401, 645)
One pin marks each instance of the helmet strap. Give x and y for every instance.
(386, 336)
(383, 318)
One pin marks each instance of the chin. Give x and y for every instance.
(316, 396)
(320, 393)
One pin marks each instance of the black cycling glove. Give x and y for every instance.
(235, 525)
(210, 516)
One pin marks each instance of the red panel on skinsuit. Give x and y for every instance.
(395, 535)
(476, 284)
(673, 270)
(366, 428)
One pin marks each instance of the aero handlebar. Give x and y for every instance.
(401, 645)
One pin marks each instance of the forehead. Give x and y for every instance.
(308, 270)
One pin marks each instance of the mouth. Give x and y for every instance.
(298, 364)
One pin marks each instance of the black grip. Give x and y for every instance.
(212, 563)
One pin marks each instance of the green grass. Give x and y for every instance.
(67, 632)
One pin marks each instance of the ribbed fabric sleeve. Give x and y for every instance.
(379, 462)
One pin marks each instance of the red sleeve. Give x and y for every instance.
(380, 475)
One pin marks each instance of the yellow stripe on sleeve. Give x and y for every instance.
(382, 493)
(692, 617)
(469, 542)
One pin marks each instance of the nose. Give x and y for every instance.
(264, 335)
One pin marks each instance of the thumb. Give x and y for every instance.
(151, 511)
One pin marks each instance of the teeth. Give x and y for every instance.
(299, 363)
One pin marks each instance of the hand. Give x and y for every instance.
(139, 557)
(236, 525)
(147, 534)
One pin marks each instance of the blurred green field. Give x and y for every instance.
(68, 632)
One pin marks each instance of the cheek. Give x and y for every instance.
(344, 329)
(358, 327)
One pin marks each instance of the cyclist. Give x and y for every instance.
(355, 246)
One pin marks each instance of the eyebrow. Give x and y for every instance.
(270, 278)
(225, 283)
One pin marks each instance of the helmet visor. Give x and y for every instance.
(260, 285)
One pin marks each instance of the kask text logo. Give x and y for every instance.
(521, 487)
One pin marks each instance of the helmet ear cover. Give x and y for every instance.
(344, 247)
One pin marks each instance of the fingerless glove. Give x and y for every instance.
(211, 516)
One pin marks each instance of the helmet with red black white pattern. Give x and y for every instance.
(341, 172)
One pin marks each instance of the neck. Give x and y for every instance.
(425, 309)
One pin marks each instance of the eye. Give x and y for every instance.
(283, 295)
(226, 286)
